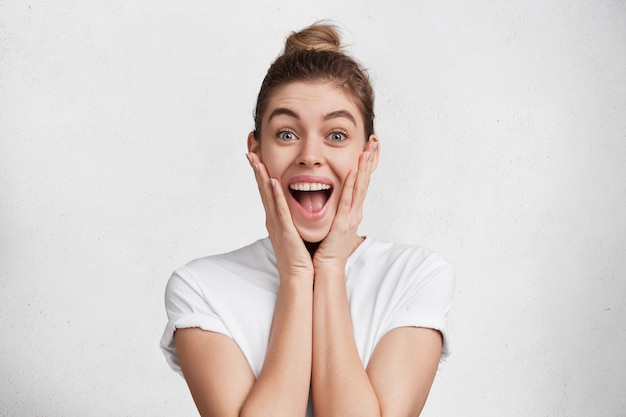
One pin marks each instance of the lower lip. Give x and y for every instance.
(310, 215)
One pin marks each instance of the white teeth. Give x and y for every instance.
(309, 186)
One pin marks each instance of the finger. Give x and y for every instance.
(363, 179)
(260, 174)
(282, 209)
(371, 157)
(274, 201)
(263, 183)
(345, 202)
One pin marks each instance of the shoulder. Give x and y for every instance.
(257, 255)
(404, 268)
(258, 252)
(400, 255)
(220, 272)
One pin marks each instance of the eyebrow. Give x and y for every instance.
(285, 111)
(340, 113)
(332, 115)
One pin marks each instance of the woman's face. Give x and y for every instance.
(311, 138)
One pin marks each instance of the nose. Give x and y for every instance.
(311, 152)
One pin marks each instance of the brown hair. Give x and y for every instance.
(314, 54)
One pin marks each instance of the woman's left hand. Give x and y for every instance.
(342, 239)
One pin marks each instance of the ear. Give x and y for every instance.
(374, 147)
(253, 144)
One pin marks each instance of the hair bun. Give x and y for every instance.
(317, 37)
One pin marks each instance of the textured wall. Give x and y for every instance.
(122, 141)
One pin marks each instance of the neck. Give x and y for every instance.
(312, 247)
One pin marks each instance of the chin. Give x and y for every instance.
(312, 235)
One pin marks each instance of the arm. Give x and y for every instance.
(341, 386)
(221, 381)
(216, 371)
(400, 372)
(283, 385)
(404, 362)
(402, 369)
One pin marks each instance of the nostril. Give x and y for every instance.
(308, 163)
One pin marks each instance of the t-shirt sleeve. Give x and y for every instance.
(186, 307)
(429, 301)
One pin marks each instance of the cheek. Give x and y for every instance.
(273, 164)
(348, 162)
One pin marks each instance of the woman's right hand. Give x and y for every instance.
(292, 257)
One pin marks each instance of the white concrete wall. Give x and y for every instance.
(122, 140)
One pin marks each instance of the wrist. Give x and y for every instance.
(329, 270)
(298, 279)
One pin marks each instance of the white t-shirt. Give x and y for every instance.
(388, 286)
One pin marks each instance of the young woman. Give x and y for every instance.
(314, 320)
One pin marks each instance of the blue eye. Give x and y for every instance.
(337, 136)
(286, 135)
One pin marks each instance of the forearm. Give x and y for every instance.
(341, 386)
(283, 385)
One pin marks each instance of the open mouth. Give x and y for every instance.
(311, 196)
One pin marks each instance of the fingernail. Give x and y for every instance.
(249, 158)
(256, 167)
(375, 147)
(355, 172)
(273, 182)
(367, 156)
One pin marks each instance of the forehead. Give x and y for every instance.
(312, 100)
